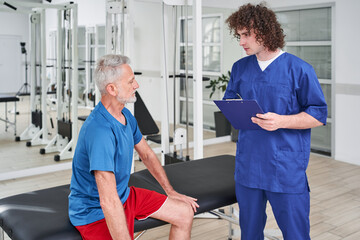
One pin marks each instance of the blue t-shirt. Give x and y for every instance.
(276, 161)
(107, 145)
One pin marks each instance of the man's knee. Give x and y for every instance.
(176, 212)
(185, 215)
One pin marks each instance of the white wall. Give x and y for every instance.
(347, 78)
(13, 23)
(15, 26)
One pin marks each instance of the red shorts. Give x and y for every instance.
(141, 204)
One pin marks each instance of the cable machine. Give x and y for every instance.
(179, 134)
(88, 93)
(115, 23)
(37, 131)
(117, 29)
(67, 84)
(25, 88)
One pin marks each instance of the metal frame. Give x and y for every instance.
(331, 43)
(207, 73)
(97, 56)
(89, 84)
(220, 44)
(234, 220)
(9, 123)
(197, 78)
(59, 143)
(115, 27)
(52, 57)
(118, 37)
(32, 132)
(36, 135)
(117, 31)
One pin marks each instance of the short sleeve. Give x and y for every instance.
(100, 144)
(310, 95)
(230, 91)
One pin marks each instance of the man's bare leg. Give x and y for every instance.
(180, 215)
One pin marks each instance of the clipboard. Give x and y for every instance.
(239, 112)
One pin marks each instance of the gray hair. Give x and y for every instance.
(108, 70)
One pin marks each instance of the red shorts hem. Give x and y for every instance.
(141, 219)
(141, 204)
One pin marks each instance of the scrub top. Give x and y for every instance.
(276, 161)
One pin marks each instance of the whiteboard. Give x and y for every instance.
(12, 67)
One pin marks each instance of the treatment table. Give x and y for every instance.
(43, 214)
(5, 98)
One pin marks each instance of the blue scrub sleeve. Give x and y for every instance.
(311, 97)
(230, 92)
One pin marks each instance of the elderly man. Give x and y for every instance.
(101, 205)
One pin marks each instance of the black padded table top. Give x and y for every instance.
(8, 98)
(210, 180)
(43, 214)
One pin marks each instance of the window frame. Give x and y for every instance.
(180, 44)
(330, 43)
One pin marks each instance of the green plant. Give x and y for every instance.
(219, 83)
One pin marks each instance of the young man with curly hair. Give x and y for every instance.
(271, 163)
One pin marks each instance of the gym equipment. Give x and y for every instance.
(24, 89)
(89, 91)
(118, 30)
(5, 99)
(43, 214)
(37, 131)
(67, 84)
(146, 123)
(197, 73)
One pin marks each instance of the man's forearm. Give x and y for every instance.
(300, 121)
(153, 165)
(111, 205)
(116, 221)
(271, 121)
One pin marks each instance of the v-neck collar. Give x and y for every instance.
(255, 61)
(110, 117)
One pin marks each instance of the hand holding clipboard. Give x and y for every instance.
(239, 112)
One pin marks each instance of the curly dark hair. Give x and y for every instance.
(262, 20)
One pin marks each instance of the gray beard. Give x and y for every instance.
(125, 101)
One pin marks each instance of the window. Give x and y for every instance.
(212, 28)
(308, 36)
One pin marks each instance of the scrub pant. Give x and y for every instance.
(291, 212)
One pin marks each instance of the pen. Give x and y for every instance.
(239, 96)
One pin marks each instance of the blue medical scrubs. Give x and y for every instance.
(275, 161)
